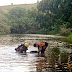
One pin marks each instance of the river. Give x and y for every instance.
(10, 61)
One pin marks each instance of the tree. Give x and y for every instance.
(55, 14)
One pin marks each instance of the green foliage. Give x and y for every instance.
(50, 17)
(2, 33)
(55, 51)
(64, 57)
(57, 13)
(54, 54)
(17, 13)
(70, 38)
(23, 21)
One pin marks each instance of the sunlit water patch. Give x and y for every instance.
(10, 61)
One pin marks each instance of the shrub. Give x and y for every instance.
(64, 57)
(56, 51)
(65, 32)
(70, 38)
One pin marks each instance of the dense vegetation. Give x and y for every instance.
(50, 17)
(69, 38)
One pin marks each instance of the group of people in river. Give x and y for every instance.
(40, 45)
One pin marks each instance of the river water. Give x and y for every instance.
(10, 61)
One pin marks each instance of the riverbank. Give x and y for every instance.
(59, 54)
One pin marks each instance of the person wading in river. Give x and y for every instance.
(22, 48)
(41, 47)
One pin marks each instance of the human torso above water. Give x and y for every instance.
(22, 48)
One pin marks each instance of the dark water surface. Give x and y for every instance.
(10, 61)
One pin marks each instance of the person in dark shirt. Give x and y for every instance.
(22, 48)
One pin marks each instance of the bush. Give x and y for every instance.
(55, 52)
(65, 32)
(64, 57)
(70, 38)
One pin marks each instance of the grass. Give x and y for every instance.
(26, 6)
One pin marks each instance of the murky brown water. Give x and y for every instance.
(10, 61)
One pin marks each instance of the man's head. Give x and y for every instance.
(15, 49)
(35, 45)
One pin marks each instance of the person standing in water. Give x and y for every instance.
(41, 47)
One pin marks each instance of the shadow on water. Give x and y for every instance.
(10, 61)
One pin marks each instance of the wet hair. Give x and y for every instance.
(16, 49)
(35, 45)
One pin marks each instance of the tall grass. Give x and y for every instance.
(70, 38)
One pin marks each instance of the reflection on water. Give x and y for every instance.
(14, 62)
(10, 61)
